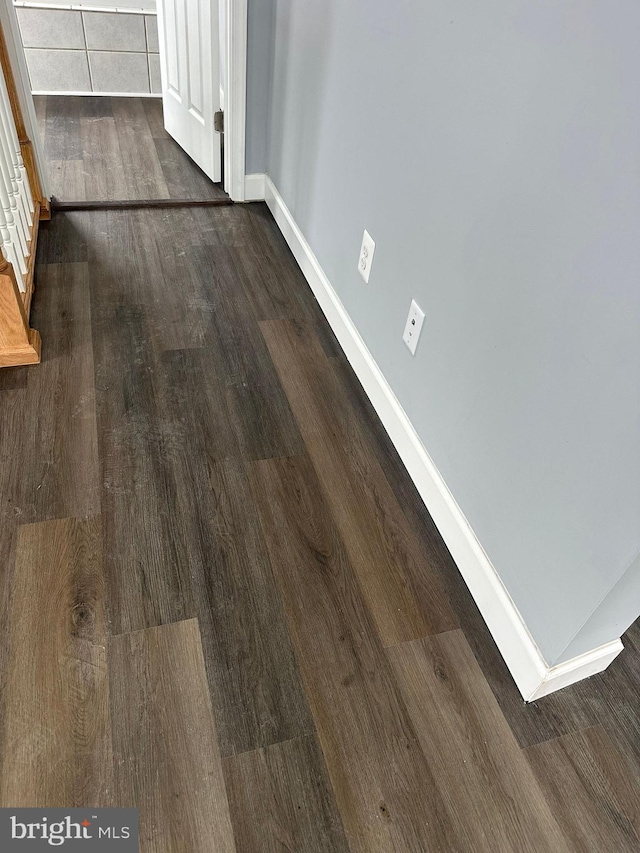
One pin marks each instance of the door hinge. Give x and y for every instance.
(218, 121)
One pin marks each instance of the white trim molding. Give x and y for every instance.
(103, 94)
(81, 7)
(254, 187)
(235, 98)
(582, 666)
(532, 674)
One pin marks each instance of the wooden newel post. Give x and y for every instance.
(18, 343)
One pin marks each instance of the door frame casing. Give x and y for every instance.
(235, 98)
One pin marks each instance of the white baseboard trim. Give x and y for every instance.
(533, 676)
(84, 7)
(254, 187)
(582, 666)
(102, 94)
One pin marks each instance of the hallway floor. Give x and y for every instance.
(107, 148)
(221, 598)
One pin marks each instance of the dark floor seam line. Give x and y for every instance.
(111, 636)
(128, 204)
(312, 733)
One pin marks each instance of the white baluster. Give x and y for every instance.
(11, 185)
(15, 143)
(8, 246)
(15, 222)
(14, 186)
(12, 239)
(16, 155)
(25, 189)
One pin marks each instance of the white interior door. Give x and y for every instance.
(190, 69)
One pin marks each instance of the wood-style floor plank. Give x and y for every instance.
(217, 534)
(384, 787)
(166, 756)
(104, 179)
(590, 791)
(62, 140)
(253, 665)
(69, 174)
(115, 149)
(182, 318)
(229, 228)
(147, 583)
(57, 742)
(232, 336)
(260, 411)
(616, 695)
(378, 540)
(281, 799)
(62, 240)
(142, 171)
(183, 177)
(8, 535)
(479, 769)
(197, 415)
(59, 444)
(274, 282)
(119, 149)
(267, 290)
(167, 440)
(155, 117)
(48, 448)
(14, 421)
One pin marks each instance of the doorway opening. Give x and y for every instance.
(129, 103)
(106, 149)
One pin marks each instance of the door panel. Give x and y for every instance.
(190, 70)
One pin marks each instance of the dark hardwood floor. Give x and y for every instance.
(221, 599)
(115, 149)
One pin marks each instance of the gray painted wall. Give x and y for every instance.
(259, 59)
(612, 616)
(492, 150)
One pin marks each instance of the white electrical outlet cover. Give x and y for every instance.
(413, 327)
(366, 256)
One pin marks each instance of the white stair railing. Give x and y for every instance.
(23, 204)
(16, 203)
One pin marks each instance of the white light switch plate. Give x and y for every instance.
(366, 256)
(413, 327)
